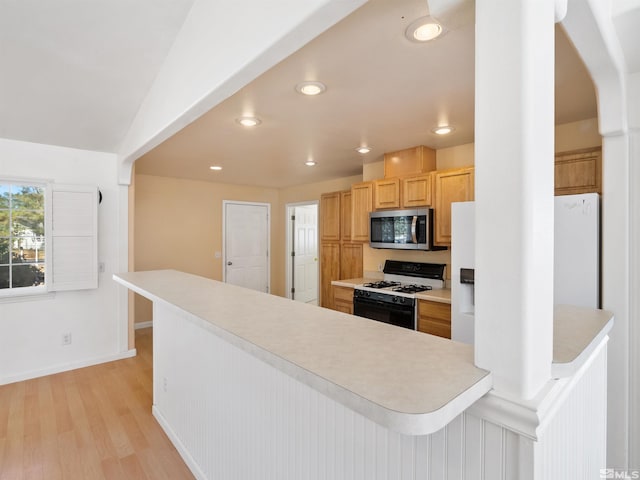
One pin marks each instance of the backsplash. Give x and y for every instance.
(372, 258)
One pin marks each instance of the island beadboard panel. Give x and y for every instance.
(233, 416)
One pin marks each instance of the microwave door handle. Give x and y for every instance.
(413, 229)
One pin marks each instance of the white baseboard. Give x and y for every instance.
(66, 367)
(182, 450)
(140, 325)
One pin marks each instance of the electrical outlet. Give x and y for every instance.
(101, 267)
(164, 384)
(66, 339)
(380, 267)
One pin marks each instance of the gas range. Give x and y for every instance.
(393, 299)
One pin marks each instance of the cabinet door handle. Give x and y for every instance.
(229, 263)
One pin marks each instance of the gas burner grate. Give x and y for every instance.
(381, 284)
(412, 288)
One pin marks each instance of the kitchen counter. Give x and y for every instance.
(442, 295)
(438, 295)
(576, 330)
(370, 367)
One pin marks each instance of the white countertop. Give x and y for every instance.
(405, 380)
(442, 295)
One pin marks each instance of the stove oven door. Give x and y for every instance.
(387, 312)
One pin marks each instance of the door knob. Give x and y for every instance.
(229, 263)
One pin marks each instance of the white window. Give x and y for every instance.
(48, 237)
(22, 236)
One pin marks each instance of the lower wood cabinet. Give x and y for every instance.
(350, 260)
(338, 261)
(434, 318)
(343, 299)
(329, 270)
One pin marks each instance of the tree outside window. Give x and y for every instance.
(22, 236)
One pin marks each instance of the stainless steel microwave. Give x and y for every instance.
(402, 229)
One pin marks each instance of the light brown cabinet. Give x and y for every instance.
(350, 260)
(339, 257)
(345, 215)
(343, 299)
(434, 318)
(405, 192)
(330, 216)
(329, 271)
(450, 186)
(386, 193)
(409, 161)
(417, 191)
(578, 171)
(361, 205)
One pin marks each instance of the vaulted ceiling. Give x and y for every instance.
(76, 72)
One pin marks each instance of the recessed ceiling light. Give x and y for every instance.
(310, 163)
(311, 88)
(215, 167)
(423, 29)
(443, 130)
(363, 150)
(247, 121)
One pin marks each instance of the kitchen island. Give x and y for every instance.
(249, 385)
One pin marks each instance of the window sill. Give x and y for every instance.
(27, 296)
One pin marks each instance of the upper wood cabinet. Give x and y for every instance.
(387, 193)
(409, 161)
(417, 191)
(330, 216)
(450, 186)
(361, 205)
(345, 216)
(578, 171)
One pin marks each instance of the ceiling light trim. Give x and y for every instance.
(248, 121)
(311, 88)
(424, 29)
(443, 129)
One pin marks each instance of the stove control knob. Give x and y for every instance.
(394, 299)
(402, 300)
(367, 294)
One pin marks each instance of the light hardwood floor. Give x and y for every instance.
(91, 423)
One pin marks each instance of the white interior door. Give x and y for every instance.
(246, 245)
(305, 260)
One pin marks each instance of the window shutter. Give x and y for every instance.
(74, 237)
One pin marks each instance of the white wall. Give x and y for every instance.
(31, 330)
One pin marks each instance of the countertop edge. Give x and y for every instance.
(568, 369)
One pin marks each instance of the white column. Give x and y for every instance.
(514, 157)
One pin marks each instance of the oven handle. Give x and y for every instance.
(414, 222)
(368, 301)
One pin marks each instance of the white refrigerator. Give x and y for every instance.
(576, 276)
